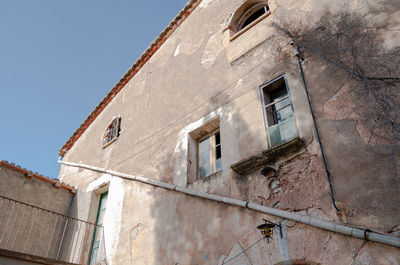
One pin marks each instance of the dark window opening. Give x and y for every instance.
(253, 16)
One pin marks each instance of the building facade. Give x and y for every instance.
(210, 132)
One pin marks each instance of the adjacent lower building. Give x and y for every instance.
(36, 223)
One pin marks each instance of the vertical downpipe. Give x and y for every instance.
(299, 59)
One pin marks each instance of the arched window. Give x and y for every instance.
(252, 14)
(246, 16)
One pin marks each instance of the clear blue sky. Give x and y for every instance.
(58, 59)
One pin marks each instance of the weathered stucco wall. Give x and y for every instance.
(33, 216)
(33, 191)
(199, 75)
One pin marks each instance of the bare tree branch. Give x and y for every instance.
(353, 44)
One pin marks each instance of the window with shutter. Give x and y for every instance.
(112, 132)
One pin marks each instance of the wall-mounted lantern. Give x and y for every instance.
(267, 229)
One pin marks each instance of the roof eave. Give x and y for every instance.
(154, 46)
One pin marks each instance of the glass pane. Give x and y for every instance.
(97, 233)
(217, 139)
(101, 216)
(287, 129)
(103, 202)
(94, 256)
(102, 208)
(110, 134)
(204, 158)
(204, 145)
(281, 104)
(218, 152)
(282, 132)
(270, 116)
(218, 164)
(205, 170)
(97, 238)
(284, 114)
(96, 244)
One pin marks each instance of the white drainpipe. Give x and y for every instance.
(330, 226)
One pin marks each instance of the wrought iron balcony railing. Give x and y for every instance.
(38, 232)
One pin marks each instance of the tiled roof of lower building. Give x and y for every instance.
(56, 183)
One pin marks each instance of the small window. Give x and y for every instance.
(252, 14)
(112, 131)
(204, 150)
(209, 154)
(278, 111)
(246, 16)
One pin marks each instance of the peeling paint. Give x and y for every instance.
(177, 51)
(205, 3)
(212, 50)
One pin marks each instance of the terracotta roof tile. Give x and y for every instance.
(30, 174)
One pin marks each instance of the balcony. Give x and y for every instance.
(34, 234)
(269, 157)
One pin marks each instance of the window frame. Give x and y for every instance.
(265, 106)
(212, 152)
(249, 12)
(112, 132)
(93, 255)
(242, 14)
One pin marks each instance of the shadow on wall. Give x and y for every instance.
(344, 52)
(190, 230)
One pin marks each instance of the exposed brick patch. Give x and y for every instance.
(299, 183)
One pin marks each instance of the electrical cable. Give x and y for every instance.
(183, 117)
(226, 88)
(157, 133)
(237, 255)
